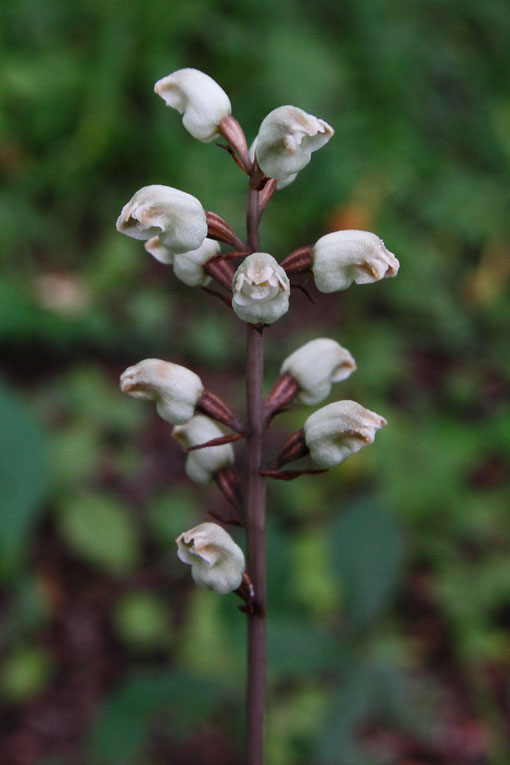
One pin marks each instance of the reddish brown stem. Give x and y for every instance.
(255, 527)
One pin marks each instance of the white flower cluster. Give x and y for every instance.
(337, 430)
(178, 231)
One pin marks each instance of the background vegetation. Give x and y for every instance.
(390, 578)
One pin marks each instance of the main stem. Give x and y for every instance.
(255, 526)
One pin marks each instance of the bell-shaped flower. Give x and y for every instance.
(177, 218)
(200, 100)
(261, 289)
(343, 257)
(188, 266)
(217, 562)
(285, 142)
(316, 365)
(338, 430)
(203, 464)
(175, 389)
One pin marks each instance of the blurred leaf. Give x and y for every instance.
(171, 513)
(100, 529)
(209, 644)
(355, 699)
(124, 722)
(142, 620)
(299, 648)
(367, 554)
(25, 673)
(23, 478)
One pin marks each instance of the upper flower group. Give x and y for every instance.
(177, 230)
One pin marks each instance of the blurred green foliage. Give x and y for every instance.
(379, 572)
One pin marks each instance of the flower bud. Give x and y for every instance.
(285, 142)
(316, 365)
(338, 430)
(343, 257)
(198, 98)
(217, 562)
(177, 218)
(175, 389)
(203, 464)
(261, 289)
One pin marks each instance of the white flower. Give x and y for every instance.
(198, 98)
(175, 389)
(217, 562)
(203, 464)
(188, 266)
(158, 250)
(338, 430)
(261, 289)
(343, 257)
(285, 142)
(176, 217)
(316, 365)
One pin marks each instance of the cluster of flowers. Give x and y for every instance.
(178, 231)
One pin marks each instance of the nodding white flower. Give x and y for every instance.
(261, 289)
(338, 430)
(177, 218)
(203, 464)
(175, 389)
(188, 266)
(217, 562)
(285, 142)
(343, 257)
(198, 98)
(316, 365)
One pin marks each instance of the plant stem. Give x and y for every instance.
(255, 527)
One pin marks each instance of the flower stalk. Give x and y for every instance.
(255, 504)
(178, 232)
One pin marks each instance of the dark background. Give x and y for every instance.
(390, 577)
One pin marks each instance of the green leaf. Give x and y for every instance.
(367, 554)
(299, 648)
(22, 478)
(99, 528)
